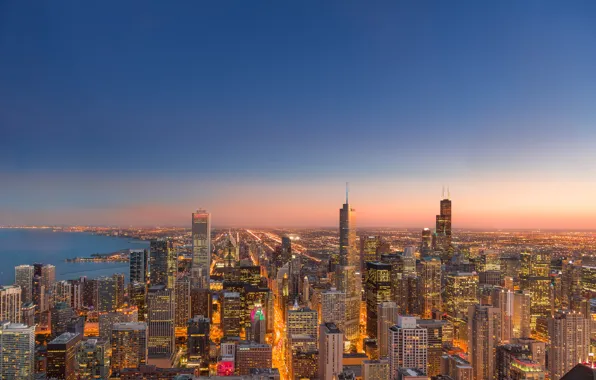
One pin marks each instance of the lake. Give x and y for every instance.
(28, 246)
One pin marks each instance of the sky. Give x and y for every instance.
(139, 112)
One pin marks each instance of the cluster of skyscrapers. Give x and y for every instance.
(367, 310)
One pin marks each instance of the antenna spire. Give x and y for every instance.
(443, 193)
(347, 191)
(448, 193)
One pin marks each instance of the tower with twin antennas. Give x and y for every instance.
(443, 224)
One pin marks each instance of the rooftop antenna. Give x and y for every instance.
(448, 193)
(347, 191)
(443, 194)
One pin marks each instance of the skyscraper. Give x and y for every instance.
(232, 314)
(427, 241)
(201, 248)
(386, 317)
(302, 321)
(408, 345)
(182, 301)
(443, 226)
(434, 329)
(430, 284)
(348, 252)
(333, 307)
(61, 314)
(460, 293)
(10, 303)
(378, 290)
(570, 342)
(62, 352)
(160, 321)
(92, 359)
(17, 351)
(163, 263)
(24, 278)
(330, 351)
(129, 346)
(138, 265)
(106, 293)
(368, 249)
(198, 342)
(484, 325)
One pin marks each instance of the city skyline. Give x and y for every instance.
(135, 115)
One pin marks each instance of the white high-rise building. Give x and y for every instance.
(201, 248)
(570, 342)
(408, 345)
(333, 307)
(10, 303)
(23, 275)
(331, 342)
(387, 317)
(17, 351)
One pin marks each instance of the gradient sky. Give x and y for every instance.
(139, 112)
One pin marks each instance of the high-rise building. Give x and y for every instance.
(28, 314)
(90, 293)
(305, 364)
(232, 314)
(460, 293)
(163, 263)
(138, 265)
(541, 296)
(286, 249)
(294, 277)
(106, 293)
(443, 227)
(17, 351)
(201, 248)
(92, 359)
(375, 369)
(60, 316)
(258, 325)
(430, 285)
(484, 327)
(427, 241)
(137, 295)
(434, 330)
(349, 282)
(570, 342)
(182, 301)
(386, 317)
(10, 303)
(62, 292)
(302, 321)
(368, 249)
(330, 351)
(533, 264)
(408, 346)
(333, 307)
(252, 355)
(348, 252)
(378, 290)
(23, 275)
(198, 342)
(108, 319)
(200, 302)
(129, 346)
(47, 273)
(62, 356)
(119, 293)
(160, 321)
(456, 368)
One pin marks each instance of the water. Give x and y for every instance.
(26, 246)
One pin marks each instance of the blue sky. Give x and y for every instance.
(195, 103)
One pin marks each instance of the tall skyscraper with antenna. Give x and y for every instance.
(201, 248)
(348, 272)
(443, 225)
